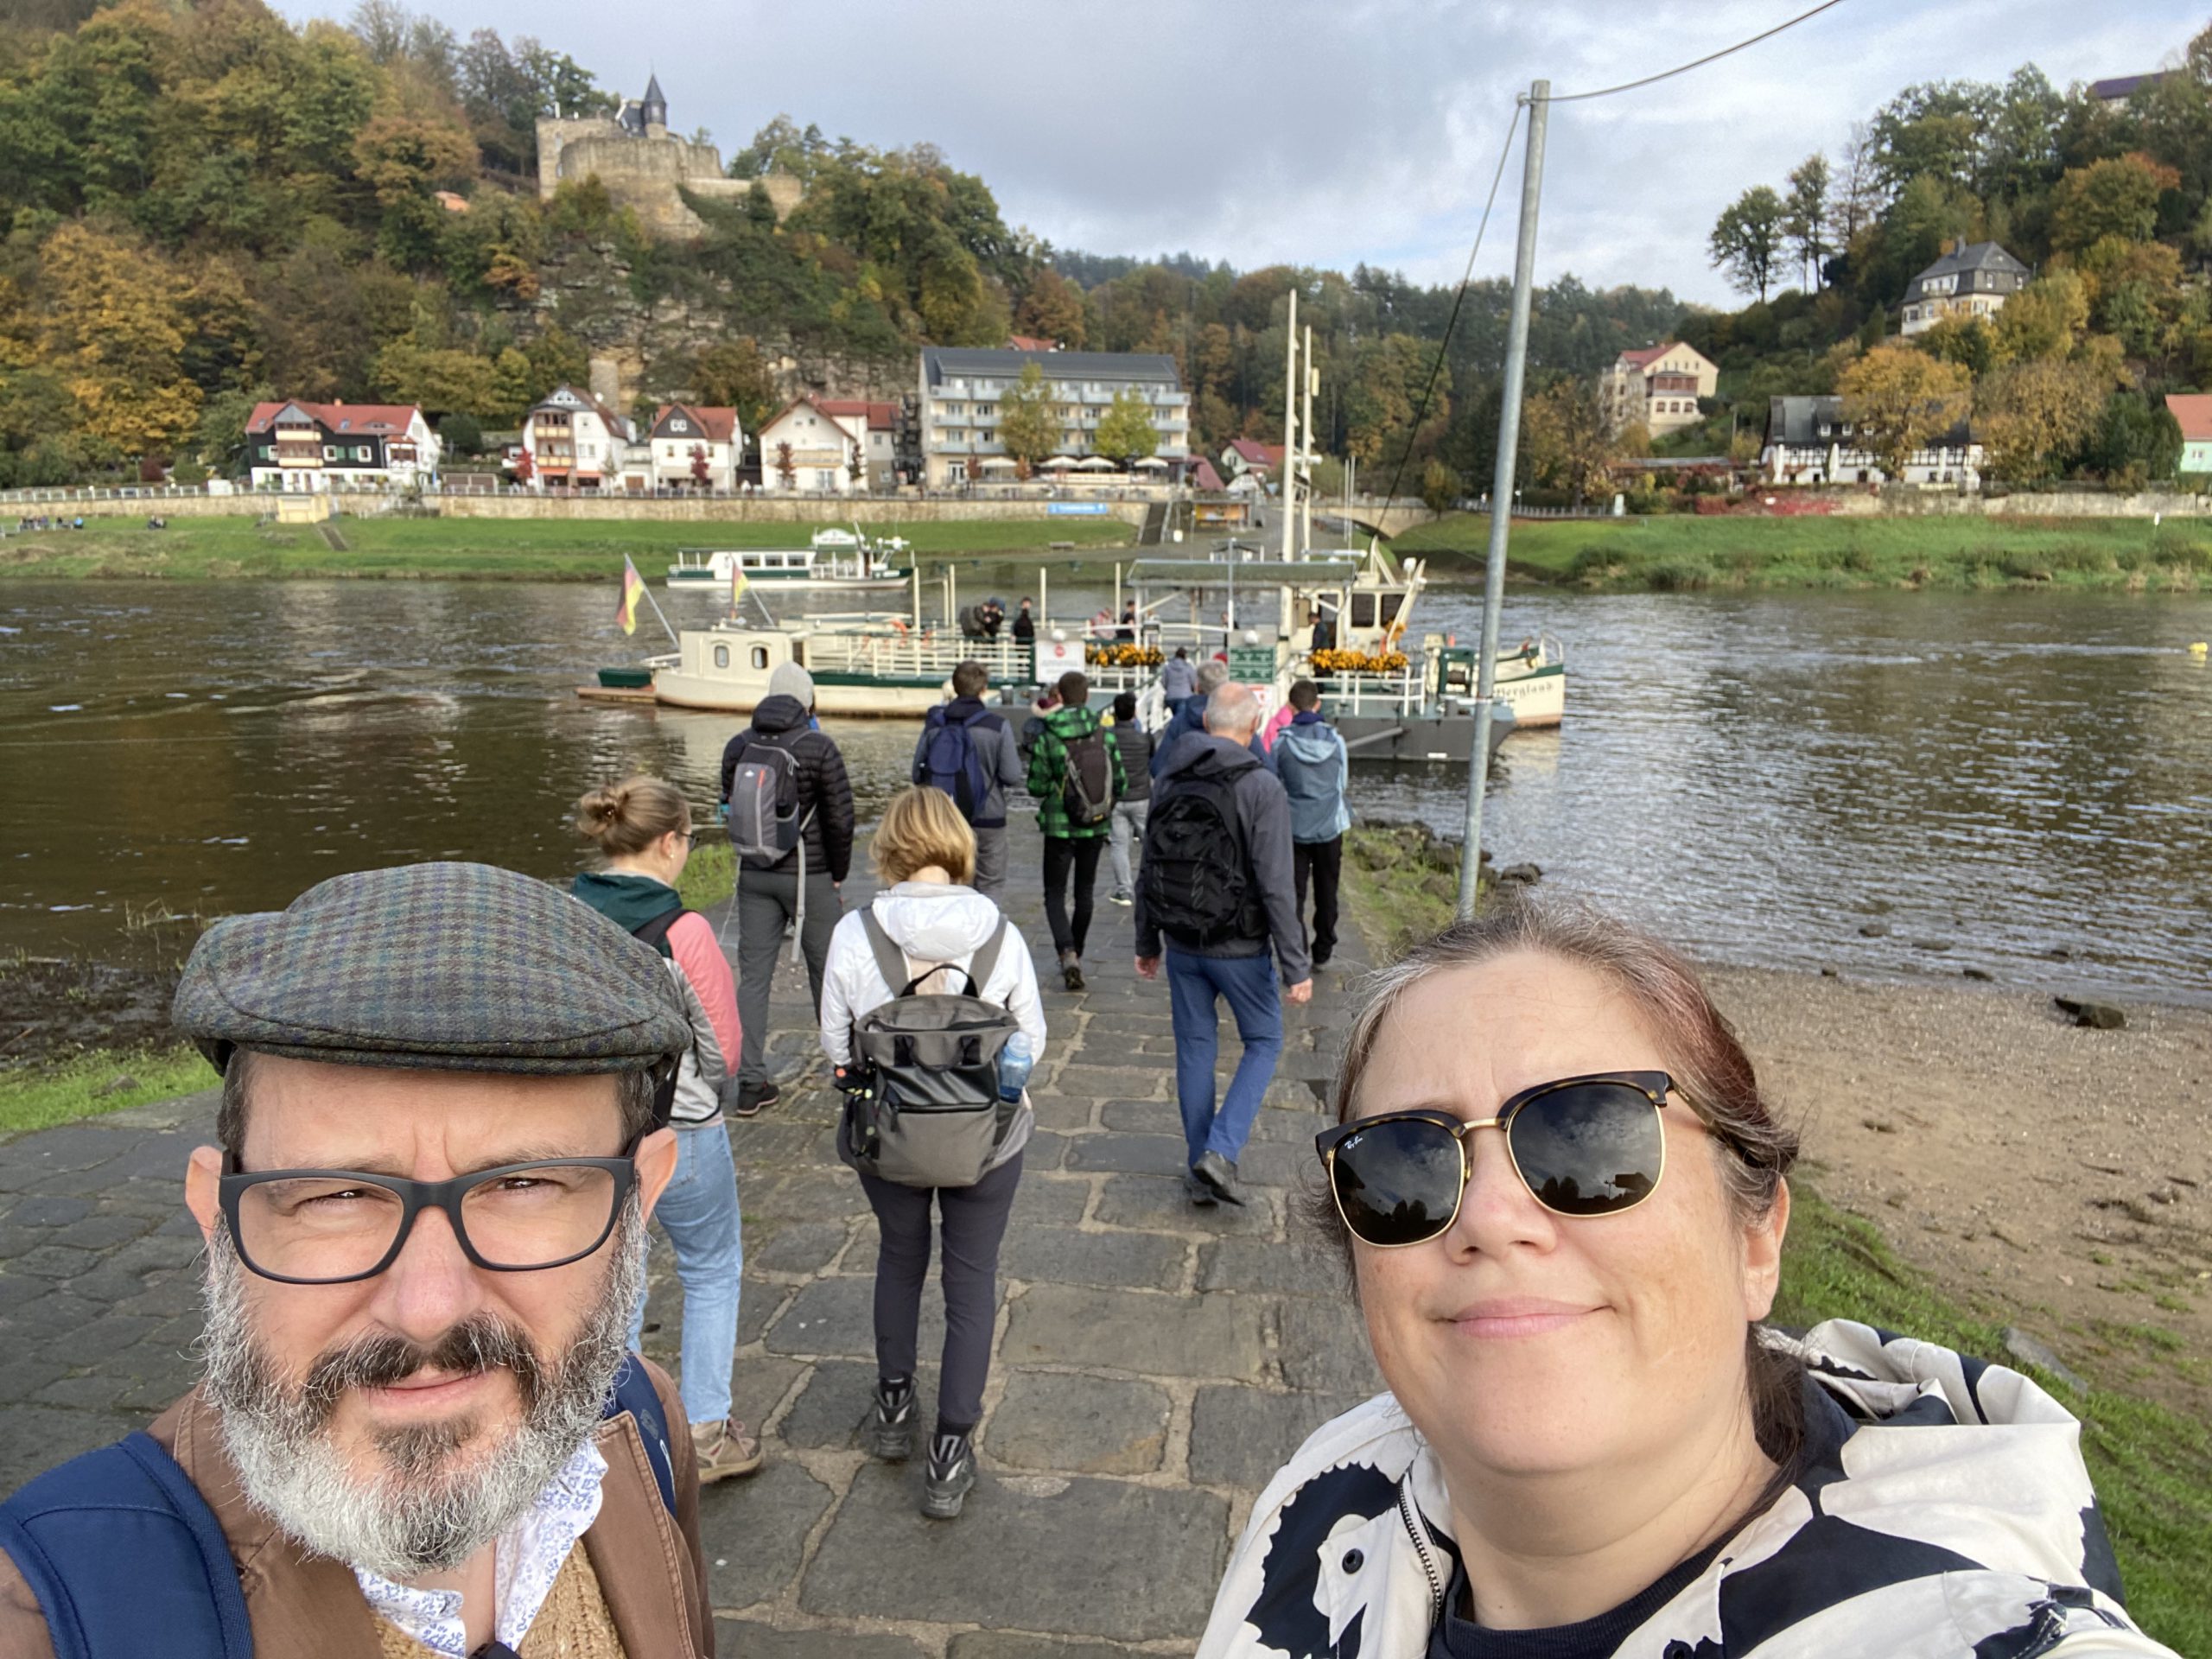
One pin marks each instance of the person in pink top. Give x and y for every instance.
(643, 827)
(1280, 718)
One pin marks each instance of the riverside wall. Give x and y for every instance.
(758, 510)
(2057, 504)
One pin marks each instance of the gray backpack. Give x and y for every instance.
(928, 1113)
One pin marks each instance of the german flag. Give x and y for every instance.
(633, 589)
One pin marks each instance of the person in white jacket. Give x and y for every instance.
(926, 852)
(1565, 1226)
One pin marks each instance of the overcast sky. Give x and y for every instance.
(1331, 134)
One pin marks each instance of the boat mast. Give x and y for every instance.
(1290, 431)
(1306, 455)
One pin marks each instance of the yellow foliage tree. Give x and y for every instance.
(2034, 415)
(114, 331)
(2043, 320)
(1898, 399)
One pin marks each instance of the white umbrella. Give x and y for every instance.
(1003, 461)
(1093, 464)
(1058, 461)
(1153, 461)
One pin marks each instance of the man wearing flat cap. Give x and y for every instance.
(418, 1432)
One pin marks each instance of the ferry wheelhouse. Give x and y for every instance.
(832, 560)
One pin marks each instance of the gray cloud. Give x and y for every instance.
(1336, 133)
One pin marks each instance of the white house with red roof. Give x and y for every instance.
(829, 446)
(302, 446)
(1249, 455)
(575, 442)
(694, 447)
(2192, 412)
(1656, 387)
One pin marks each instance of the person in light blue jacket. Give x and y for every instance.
(1310, 758)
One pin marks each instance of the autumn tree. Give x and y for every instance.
(1051, 309)
(113, 331)
(1029, 420)
(2036, 414)
(1747, 238)
(731, 374)
(2045, 320)
(1806, 221)
(1564, 442)
(1899, 400)
(1125, 431)
(2115, 197)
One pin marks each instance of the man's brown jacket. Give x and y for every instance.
(649, 1564)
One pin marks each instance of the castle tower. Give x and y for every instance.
(654, 107)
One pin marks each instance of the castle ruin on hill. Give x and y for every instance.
(644, 167)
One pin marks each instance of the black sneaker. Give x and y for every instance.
(1200, 1195)
(1071, 970)
(753, 1098)
(950, 1476)
(890, 1432)
(1217, 1173)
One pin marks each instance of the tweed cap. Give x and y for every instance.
(445, 966)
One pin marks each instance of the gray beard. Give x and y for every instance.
(444, 1493)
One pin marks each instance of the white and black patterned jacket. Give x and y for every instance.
(1943, 1509)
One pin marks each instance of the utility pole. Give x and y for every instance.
(1501, 493)
(1306, 453)
(1290, 432)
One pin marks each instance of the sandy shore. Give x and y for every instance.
(2061, 1173)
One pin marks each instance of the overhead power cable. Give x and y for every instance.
(1695, 63)
(1504, 153)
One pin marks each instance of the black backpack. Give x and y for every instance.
(1199, 886)
(764, 817)
(1087, 791)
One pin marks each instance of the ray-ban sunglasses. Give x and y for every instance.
(1583, 1147)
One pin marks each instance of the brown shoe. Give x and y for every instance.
(725, 1450)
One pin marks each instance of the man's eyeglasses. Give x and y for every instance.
(1583, 1147)
(332, 1226)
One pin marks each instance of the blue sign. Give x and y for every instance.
(1077, 509)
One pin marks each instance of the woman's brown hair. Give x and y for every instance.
(627, 818)
(1753, 1151)
(922, 827)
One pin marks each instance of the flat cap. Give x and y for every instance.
(448, 967)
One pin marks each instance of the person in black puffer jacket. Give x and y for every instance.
(1128, 824)
(768, 893)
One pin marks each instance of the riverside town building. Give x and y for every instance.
(1967, 282)
(961, 387)
(1808, 442)
(1656, 387)
(827, 436)
(297, 446)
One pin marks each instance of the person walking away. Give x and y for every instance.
(1315, 768)
(927, 946)
(1273, 729)
(1048, 700)
(969, 752)
(1126, 825)
(1075, 772)
(1179, 680)
(1024, 626)
(791, 818)
(1217, 889)
(643, 827)
(1190, 718)
(392, 1447)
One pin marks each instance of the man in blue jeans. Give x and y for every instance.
(1216, 887)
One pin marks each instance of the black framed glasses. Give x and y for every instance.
(333, 1226)
(1584, 1146)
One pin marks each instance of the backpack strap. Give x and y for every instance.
(981, 964)
(634, 1392)
(890, 960)
(126, 1558)
(655, 932)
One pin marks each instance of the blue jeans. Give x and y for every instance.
(1249, 983)
(698, 1212)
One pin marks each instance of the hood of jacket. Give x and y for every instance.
(1201, 753)
(1314, 741)
(781, 713)
(1938, 1495)
(934, 921)
(629, 901)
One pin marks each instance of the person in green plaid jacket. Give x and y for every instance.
(1071, 847)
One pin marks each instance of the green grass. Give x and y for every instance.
(38, 1097)
(709, 878)
(494, 548)
(1676, 553)
(2153, 1465)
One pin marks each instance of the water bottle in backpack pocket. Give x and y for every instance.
(930, 1114)
(1087, 791)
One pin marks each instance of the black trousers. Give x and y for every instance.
(1323, 863)
(973, 1221)
(1064, 856)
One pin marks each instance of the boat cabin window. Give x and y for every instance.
(1363, 610)
(721, 656)
(760, 657)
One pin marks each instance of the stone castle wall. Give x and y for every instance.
(647, 174)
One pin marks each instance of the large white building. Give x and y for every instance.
(961, 387)
(835, 446)
(1808, 442)
(693, 447)
(1967, 282)
(301, 446)
(1656, 387)
(575, 442)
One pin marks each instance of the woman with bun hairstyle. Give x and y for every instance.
(643, 827)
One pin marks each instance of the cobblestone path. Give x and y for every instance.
(1154, 1363)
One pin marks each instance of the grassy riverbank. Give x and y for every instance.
(1679, 554)
(2144, 1433)
(97, 1081)
(510, 550)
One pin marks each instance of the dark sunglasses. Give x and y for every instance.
(1583, 1147)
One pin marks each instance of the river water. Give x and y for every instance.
(2003, 776)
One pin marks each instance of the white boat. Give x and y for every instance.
(834, 560)
(882, 667)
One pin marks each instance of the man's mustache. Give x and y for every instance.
(479, 1343)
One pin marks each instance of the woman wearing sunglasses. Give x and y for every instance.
(1563, 1200)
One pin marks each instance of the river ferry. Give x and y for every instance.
(834, 560)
